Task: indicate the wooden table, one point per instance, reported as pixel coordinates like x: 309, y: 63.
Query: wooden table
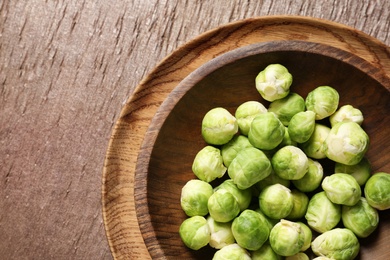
x: 66, y: 70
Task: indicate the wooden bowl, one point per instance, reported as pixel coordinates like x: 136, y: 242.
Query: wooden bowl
x: 158, y: 133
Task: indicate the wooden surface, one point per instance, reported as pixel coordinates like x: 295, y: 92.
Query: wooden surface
x: 66, y: 70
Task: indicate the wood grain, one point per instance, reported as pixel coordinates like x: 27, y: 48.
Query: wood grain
x: 66, y: 70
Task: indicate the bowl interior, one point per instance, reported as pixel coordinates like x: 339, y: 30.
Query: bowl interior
x: 174, y: 138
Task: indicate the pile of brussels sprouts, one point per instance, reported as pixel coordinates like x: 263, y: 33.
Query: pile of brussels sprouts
x: 277, y: 201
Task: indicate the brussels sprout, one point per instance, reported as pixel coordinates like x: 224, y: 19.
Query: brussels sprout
x: 221, y: 233
x: 223, y: 206
x: 229, y: 151
x: 346, y: 113
x: 287, y: 140
x: 231, y: 252
x: 218, y: 126
x: 269, y: 153
x: 270, y: 221
x: 276, y: 201
x: 242, y: 196
x: 342, y: 188
x: 194, y: 197
x: 377, y: 190
x: 361, y: 219
x: 265, y: 253
x: 346, y: 143
x: 339, y: 243
x: 322, y: 214
x: 361, y: 171
x: 287, y: 107
x: 314, y: 147
x: 271, y: 179
x: 312, y: 179
x: 308, y: 236
x: 274, y: 82
x: 322, y: 258
x: 286, y: 238
x: 195, y: 232
x: 299, y: 256
x: 290, y: 163
x: 208, y: 164
x: 250, y: 229
x: 323, y: 100
x: 245, y: 114
x: 300, y: 203
x: 301, y: 126
x: 250, y: 166
x: 266, y: 131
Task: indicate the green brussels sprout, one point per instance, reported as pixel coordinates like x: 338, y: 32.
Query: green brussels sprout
x: 361, y: 219
x: 314, y: 147
x: 270, y: 221
x: 377, y: 190
x: 285, y: 142
x: 208, y: 164
x: 342, y: 188
x: 231, y: 252
x: 271, y: 179
x: 250, y: 166
x: 273, y: 82
x: 338, y: 243
x: 290, y: 163
x: 308, y: 236
x: 298, y: 256
x: 265, y: 252
x: 250, y: 229
x: 195, y: 232
x: 322, y: 214
x: 266, y: 131
x: 287, y: 107
x: 346, y: 113
x: 276, y: 201
x: 194, y: 197
x: 301, y: 126
x: 346, y: 143
x: 300, y: 203
x: 323, y: 100
x: 322, y: 258
x: 287, y: 139
x: 361, y: 171
x: 221, y: 233
x: 223, y: 206
x: 242, y: 196
x: 229, y: 151
x: 286, y: 238
x: 245, y: 114
x: 269, y: 153
x: 219, y: 126
x: 312, y: 179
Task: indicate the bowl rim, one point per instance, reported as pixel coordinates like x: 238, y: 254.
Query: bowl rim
x: 146, y: 149
x: 117, y: 194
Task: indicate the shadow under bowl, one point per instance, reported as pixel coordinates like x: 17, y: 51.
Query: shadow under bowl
x: 174, y: 136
